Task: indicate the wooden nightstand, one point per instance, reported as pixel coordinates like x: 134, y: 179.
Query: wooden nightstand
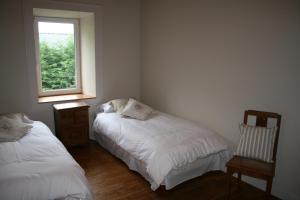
x: 72, y: 123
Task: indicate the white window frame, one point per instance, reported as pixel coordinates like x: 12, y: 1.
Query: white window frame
x: 78, y: 88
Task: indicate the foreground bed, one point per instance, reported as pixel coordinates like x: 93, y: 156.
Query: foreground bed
x: 38, y: 167
x: 164, y: 149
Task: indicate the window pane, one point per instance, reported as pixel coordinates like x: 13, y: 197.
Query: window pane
x: 57, y: 55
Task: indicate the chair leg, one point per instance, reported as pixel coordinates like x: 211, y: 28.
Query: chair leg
x: 269, y: 187
x: 229, y: 174
x: 239, y: 180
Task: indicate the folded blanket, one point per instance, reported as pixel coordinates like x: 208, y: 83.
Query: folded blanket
x: 14, y: 126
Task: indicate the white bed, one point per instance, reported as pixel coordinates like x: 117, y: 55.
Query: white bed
x: 38, y: 167
x: 164, y: 149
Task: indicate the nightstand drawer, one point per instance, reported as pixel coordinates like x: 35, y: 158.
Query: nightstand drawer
x: 72, y: 123
x: 66, y: 117
x: 78, y: 134
x: 75, y: 135
x: 81, y: 116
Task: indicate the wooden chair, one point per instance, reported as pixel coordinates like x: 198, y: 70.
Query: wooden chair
x: 251, y: 167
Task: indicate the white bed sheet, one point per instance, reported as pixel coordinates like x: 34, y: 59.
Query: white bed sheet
x: 164, y: 149
x: 38, y: 167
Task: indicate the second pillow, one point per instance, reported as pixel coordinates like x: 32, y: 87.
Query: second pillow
x: 136, y: 110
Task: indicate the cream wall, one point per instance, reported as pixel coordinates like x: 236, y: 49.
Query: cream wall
x: 210, y: 60
x: 117, y: 55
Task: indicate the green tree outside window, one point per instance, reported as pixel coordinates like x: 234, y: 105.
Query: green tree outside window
x: 58, y: 65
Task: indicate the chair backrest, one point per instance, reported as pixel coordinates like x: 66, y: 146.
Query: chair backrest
x: 262, y: 120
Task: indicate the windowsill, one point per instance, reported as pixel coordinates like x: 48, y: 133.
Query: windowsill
x: 68, y: 97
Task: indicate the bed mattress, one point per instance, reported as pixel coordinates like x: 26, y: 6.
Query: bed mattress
x: 164, y: 149
x: 39, y: 167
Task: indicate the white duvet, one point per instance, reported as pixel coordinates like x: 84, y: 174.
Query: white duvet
x: 162, y: 142
x: 38, y: 167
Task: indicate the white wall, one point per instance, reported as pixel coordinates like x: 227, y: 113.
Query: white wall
x: 210, y: 60
x: 121, y: 42
x: 117, y: 56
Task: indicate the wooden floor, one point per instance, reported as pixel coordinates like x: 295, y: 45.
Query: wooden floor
x: 111, y: 179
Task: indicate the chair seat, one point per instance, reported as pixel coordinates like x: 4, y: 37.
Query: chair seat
x: 251, y: 167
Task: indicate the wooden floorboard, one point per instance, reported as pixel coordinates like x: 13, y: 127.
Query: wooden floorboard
x: 111, y: 179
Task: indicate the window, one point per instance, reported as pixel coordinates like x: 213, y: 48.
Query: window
x: 48, y: 33
x: 57, y: 56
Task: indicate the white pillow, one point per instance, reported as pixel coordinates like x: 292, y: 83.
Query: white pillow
x: 119, y: 104
x: 256, y: 142
x: 21, y: 117
x: 107, y: 107
x: 12, y: 129
x: 136, y: 110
